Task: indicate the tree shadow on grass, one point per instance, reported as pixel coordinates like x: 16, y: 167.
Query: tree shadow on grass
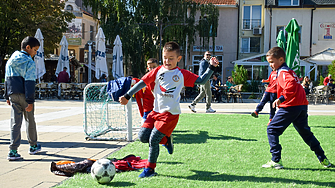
x: 119, y: 184
x: 171, y: 163
x: 326, y: 127
x: 202, y: 137
x: 216, y: 176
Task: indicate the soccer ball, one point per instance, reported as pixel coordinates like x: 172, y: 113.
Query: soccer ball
x: 103, y: 171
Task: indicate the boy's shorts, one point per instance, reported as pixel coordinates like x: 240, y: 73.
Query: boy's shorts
x: 164, y: 122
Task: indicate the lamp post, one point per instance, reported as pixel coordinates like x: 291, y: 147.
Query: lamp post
x: 89, y: 61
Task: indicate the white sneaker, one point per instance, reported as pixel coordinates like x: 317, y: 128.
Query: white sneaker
x: 210, y: 110
x: 191, y: 107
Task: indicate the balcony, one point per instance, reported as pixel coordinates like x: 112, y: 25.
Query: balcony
x: 251, y: 23
x: 251, y: 50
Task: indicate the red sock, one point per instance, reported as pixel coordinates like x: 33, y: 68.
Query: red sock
x: 150, y: 165
x: 164, y: 140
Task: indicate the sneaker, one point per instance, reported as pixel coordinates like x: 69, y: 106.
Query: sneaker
x: 272, y: 164
x: 326, y: 163
x: 147, y: 172
x: 169, y: 144
x: 13, y: 155
x: 35, y: 149
x: 254, y: 114
x: 210, y: 110
x: 192, y: 108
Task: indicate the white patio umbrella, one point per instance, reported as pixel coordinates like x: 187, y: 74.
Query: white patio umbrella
x: 100, y: 55
x: 117, y: 59
x: 39, y: 57
x: 63, y: 60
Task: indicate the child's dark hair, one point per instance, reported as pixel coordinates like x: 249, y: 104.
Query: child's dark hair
x: 172, y: 46
x: 31, y: 41
x: 152, y: 60
x: 276, y: 52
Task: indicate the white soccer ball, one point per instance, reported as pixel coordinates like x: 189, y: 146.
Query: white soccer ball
x: 103, y: 171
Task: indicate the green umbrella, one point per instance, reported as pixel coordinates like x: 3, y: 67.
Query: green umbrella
x: 292, y: 50
x: 281, y: 40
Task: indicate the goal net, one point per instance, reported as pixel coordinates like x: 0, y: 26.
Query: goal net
x: 105, y: 119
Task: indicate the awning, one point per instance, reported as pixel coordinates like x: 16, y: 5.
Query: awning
x: 253, y: 60
x: 324, y: 57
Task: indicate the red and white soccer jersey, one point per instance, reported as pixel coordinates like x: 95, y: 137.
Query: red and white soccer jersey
x: 272, y: 87
x: 289, y: 87
x: 167, y: 88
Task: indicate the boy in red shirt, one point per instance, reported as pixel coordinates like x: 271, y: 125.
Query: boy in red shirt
x: 169, y: 80
x: 292, y: 104
x: 270, y: 94
x: 144, y: 97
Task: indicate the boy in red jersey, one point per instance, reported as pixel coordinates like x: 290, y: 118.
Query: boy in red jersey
x: 292, y: 104
x: 270, y: 94
x: 144, y: 97
x: 169, y: 79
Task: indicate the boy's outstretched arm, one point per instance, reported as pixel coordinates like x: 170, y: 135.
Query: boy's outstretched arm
x: 201, y: 80
x: 125, y: 98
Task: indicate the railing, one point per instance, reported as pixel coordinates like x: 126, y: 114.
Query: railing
x: 251, y: 50
x: 251, y: 23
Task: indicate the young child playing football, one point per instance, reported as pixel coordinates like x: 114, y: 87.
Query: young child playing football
x: 292, y: 104
x: 169, y: 80
x: 270, y: 94
x: 145, y: 97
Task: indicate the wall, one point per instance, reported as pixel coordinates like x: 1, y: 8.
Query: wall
x: 226, y: 37
x: 322, y: 16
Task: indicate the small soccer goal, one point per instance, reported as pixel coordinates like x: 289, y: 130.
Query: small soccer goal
x: 105, y: 119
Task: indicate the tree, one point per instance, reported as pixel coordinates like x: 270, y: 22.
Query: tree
x: 139, y: 23
x: 240, y: 75
x: 331, y: 68
x: 21, y: 18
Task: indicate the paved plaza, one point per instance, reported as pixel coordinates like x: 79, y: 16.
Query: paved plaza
x: 60, y: 132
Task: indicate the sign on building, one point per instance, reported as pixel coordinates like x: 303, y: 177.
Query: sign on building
x: 74, y: 33
x: 326, y: 31
x: 218, y: 48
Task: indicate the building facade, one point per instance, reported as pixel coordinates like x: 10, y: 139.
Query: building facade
x: 225, y: 48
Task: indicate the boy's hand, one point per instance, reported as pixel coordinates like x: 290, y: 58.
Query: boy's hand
x: 29, y: 108
x: 8, y: 102
x: 276, y: 103
x: 213, y: 61
x: 123, y: 100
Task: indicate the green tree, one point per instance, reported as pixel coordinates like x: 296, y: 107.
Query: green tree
x: 240, y: 74
x: 331, y: 68
x: 21, y: 18
x: 139, y: 23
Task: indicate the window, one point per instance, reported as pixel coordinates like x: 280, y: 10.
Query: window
x: 71, y: 52
x: 69, y: 8
x: 259, y: 72
x: 283, y: 28
x: 91, y: 32
x: 252, y: 16
x: 288, y: 2
x: 251, y: 45
x: 83, y: 30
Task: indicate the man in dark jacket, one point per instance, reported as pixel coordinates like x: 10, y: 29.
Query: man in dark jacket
x: 204, y: 89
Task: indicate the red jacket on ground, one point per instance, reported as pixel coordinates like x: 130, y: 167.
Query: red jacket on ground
x: 289, y: 89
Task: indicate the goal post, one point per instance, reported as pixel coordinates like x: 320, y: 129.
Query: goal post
x: 105, y: 119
